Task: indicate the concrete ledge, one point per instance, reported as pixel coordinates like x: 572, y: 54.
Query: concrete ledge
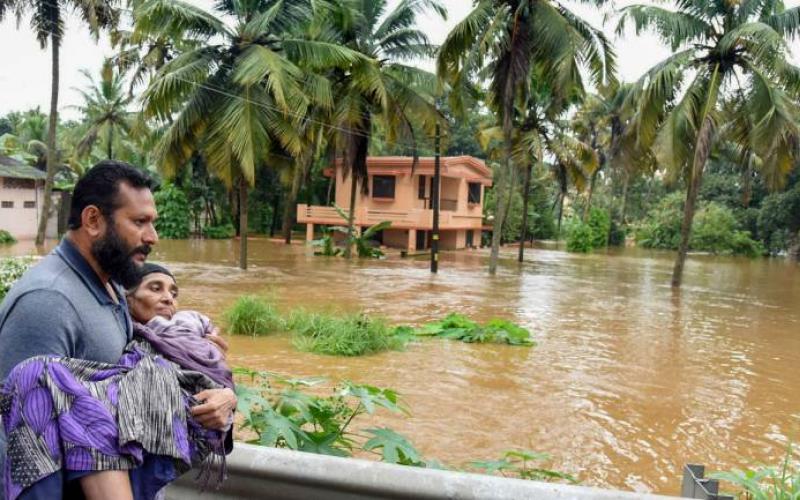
x: 256, y: 472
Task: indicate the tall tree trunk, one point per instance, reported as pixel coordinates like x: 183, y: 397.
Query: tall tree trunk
x: 588, y: 206
x: 526, y: 191
x: 702, y: 150
x: 625, y: 186
x: 110, y: 141
x: 55, y: 41
x: 560, y: 202
x: 509, y: 197
x: 348, y: 249
x: 234, y: 197
x: 243, y: 222
x: 497, y: 226
x: 331, y: 182
x: 289, y: 207
x: 276, y: 205
x: 747, y: 189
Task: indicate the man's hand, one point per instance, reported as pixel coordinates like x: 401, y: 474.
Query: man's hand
x: 215, y: 409
x: 218, y: 341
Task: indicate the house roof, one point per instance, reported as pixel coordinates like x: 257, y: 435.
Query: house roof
x: 11, y: 167
x: 402, y: 163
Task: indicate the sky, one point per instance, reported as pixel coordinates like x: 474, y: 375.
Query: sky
x: 25, y: 67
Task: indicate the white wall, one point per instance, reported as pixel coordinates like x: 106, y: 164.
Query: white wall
x: 22, y: 222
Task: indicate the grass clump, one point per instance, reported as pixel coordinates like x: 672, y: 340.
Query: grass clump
x: 458, y: 327
x: 6, y: 238
x: 251, y: 315
x: 342, y: 335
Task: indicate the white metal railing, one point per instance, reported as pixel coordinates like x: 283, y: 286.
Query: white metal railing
x: 256, y: 472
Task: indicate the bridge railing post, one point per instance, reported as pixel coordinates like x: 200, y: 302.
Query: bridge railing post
x: 694, y: 485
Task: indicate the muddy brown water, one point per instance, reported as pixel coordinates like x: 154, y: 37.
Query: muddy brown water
x: 628, y: 382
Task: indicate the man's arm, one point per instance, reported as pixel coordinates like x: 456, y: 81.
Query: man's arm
x: 40, y: 322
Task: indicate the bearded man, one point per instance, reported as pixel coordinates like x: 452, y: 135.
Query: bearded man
x: 72, y: 304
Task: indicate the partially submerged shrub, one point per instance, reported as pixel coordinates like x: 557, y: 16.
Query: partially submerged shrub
x: 776, y: 483
x: 458, y: 327
x: 252, y: 315
x: 579, y: 237
x: 221, y: 232
x: 12, y: 269
x: 342, y: 335
x: 589, y: 235
x: 173, y: 213
x: 6, y: 237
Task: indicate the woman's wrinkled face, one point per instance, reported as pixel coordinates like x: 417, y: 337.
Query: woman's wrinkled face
x: 156, y: 295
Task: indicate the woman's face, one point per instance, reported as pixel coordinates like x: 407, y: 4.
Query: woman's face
x: 156, y: 295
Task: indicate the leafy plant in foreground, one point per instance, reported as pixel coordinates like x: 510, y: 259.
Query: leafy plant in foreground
x: 521, y: 464
x: 282, y: 414
x: 762, y: 483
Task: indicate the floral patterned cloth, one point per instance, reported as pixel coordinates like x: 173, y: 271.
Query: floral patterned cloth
x: 89, y: 416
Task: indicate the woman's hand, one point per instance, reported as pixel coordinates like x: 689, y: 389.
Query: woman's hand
x: 216, y: 408
x: 218, y: 341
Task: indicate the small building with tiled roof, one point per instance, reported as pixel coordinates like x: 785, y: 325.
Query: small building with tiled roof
x: 21, y: 194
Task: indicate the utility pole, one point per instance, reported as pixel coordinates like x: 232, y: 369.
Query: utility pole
x: 435, y: 196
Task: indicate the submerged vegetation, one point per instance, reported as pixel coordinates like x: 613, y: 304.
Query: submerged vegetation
x: 357, y: 334
x: 342, y: 334
x: 6, y: 237
x: 290, y: 413
x: 458, y: 327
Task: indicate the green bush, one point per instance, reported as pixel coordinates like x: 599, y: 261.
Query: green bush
x: 779, y: 219
x: 600, y: 224
x: 11, y: 269
x: 5, y: 237
x: 173, y: 213
x: 251, y: 315
x: 221, y: 232
x: 780, y: 482
x: 342, y: 335
x: 580, y: 237
x: 617, y: 235
x: 715, y: 229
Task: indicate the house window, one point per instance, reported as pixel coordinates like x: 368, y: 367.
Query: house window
x: 421, y: 189
x: 383, y: 186
x: 474, y: 192
x: 7, y: 204
x: 29, y: 204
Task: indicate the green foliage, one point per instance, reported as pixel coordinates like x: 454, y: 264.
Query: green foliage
x: 173, y: 213
x: 767, y: 483
x: 458, y: 327
x: 251, y: 315
x: 326, y: 243
x: 522, y: 465
x: 282, y: 414
x: 221, y: 232
x: 589, y: 235
x: 779, y: 219
x: 11, y: 269
x: 342, y: 335
x: 6, y: 237
x: 363, y: 242
x: 715, y: 229
x: 580, y: 237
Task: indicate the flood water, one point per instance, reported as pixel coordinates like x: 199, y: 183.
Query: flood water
x: 628, y: 382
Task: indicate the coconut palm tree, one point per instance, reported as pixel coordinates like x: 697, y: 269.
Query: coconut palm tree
x: 105, y: 112
x: 722, y: 51
x: 47, y: 21
x: 381, y: 88
x: 235, y: 95
x: 503, y: 40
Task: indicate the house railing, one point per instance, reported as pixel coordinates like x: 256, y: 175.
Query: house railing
x: 366, y: 216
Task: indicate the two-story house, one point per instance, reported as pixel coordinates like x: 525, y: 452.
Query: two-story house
x: 21, y: 194
x: 403, y: 197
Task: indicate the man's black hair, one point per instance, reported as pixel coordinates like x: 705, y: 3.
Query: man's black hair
x: 100, y: 187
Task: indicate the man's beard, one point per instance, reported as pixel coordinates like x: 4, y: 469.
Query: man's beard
x: 116, y: 258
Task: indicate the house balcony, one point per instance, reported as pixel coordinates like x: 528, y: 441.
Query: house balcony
x: 416, y: 218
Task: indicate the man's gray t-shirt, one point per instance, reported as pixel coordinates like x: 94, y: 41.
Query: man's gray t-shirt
x: 60, y: 307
